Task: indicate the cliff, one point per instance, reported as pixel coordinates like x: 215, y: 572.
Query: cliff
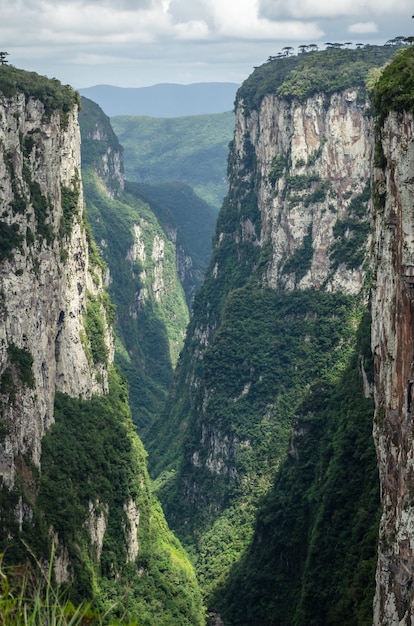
x: 392, y: 337
x: 48, y: 279
x: 259, y: 389
x: 73, y: 469
x: 140, y: 243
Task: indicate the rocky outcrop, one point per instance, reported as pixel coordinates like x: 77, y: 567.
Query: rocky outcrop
x: 102, y: 149
x: 312, y: 167
x: 392, y: 342
x: 46, y: 277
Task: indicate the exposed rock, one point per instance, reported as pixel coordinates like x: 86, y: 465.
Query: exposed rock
x: 392, y: 342
x: 46, y: 278
x: 323, y: 149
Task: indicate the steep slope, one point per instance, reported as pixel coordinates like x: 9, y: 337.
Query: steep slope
x: 273, y: 340
x: 139, y: 242
x: 392, y: 337
x: 73, y: 470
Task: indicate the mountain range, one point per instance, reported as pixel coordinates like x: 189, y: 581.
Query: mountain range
x: 163, y: 99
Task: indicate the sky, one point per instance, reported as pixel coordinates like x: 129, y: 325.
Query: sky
x: 136, y: 43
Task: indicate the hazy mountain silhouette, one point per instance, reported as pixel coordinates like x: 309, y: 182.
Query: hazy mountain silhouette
x: 164, y: 99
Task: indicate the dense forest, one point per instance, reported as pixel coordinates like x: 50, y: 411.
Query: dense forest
x: 245, y: 368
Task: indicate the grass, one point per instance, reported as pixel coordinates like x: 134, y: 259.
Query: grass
x: 30, y: 598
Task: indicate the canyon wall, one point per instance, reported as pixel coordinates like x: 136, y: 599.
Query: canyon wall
x: 392, y: 340
x: 75, y: 486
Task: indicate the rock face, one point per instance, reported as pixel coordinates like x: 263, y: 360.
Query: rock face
x: 46, y: 277
x: 309, y: 173
x: 392, y: 342
x: 312, y: 163
x: 73, y: 469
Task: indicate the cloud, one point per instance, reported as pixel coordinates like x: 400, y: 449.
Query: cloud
x: 361, y: 28
x: 318, y: 9
x: 193, y: 30
x: 148, y: 41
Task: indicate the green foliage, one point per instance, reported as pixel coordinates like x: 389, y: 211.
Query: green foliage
x: 28, y: 602
x: 42, y: 212
x: 7, y: 386
x: 300, y: 261
x: 177, y: 206
x: 300, y: 182
x: 349, y: 246
x: 94, y: 324
x: 267, y: 350
x: 69, y: 199
x: 22, y: 360
x: 149, y: 339
x: 394, y: 90
x: 190, y: 149
x: 277, y: 168
x: 51, y: 92
x: 313, y: 556
x: 10, y: 239
x: 302, y: 76
x: 92, y: 457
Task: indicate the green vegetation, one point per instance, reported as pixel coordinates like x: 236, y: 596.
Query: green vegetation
x: 277, y: 168
x: 268, y: 350
x: 136, y: 232
x: 192, y: 217
x: 190, y: 149
x: 300, y: 261
x: 264, y: 459
x: 96, y: 439
x: 51, y: 92
x: 149, y: 331
x: 10, y: 239
x: 394, y: 90
x: 349, y: 245
x: 304, y: 75
x: 92, y: 498
x: 313, y: 556
x: 95, y: 331
x: 22, y: 361
x: 18, y: 372
x: 70, y: 199
x: 27, y: 602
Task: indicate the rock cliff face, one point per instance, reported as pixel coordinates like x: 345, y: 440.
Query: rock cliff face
x: 392, y: 342
x: 310, y: 176
x: 72, y: 467
x: 312, y: 164
x: 46, y: 277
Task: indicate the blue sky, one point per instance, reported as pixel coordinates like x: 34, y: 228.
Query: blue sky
x: 134, y: 43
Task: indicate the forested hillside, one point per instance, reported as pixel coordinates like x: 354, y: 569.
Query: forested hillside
x: 264, y: 458
x: 190, y: 149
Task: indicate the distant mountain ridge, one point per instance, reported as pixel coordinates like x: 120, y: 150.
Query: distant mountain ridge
x: 164, y: 99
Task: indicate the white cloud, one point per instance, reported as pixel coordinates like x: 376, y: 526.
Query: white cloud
x: 161, y: 40
x: 240, y: 19
x: 193, y: 30
x: 362, y: 28
x: 318, y: 9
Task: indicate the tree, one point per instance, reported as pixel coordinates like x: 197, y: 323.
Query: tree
x: 3, y: 60
x: 287, y: 50
x: 303, y: 48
